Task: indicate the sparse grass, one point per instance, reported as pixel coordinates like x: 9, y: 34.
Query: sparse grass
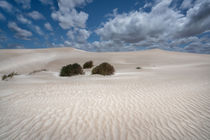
x: 104, y: 69
x: 71, y: 69
x: 138, y: 67
x: 5, y: 77
x: 88, y: 64
x: 36, y: 71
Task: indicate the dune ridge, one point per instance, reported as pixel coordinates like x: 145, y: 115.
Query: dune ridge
x: 167, y: 99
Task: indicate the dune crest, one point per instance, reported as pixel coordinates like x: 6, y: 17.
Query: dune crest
x: 167, y: 99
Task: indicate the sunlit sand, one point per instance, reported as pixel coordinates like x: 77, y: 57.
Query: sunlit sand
x: 168, y: 98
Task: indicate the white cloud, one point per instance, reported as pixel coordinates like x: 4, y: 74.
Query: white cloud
x: 48, y: 26
x: 67, y: 43
x: 5, y: 5
x: 65, y: 5
x: 26, y: 4
x: 71, y: 18
x: 38, y: 30
x: 23, y: 20
x: 162, y: 27
x: 35, y: 15
x: 2, y: 17
x: 70, y: 34
x: 19, y: 32
x: 137, y: 26
x: 148, y: 5
x: 83, y: 35
x: 68, y: 16
x: 78, y: 35
x: 186, y: 4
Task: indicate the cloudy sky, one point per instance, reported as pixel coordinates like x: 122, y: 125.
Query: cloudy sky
x: 106, y: 25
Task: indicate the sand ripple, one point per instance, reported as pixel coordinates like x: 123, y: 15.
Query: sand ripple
x: 127, y: 111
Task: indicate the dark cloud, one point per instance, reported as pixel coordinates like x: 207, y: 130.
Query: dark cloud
x: 197, y: 20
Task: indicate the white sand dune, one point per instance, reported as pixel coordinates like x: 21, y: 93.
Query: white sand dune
x: 168, y: 99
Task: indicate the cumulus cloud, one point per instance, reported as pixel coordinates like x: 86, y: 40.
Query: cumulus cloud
x: 6, y: 6
x: 19, y: 32
x: 196, y: 21
x: 110, y: 45
x: 2, y: 17
x: 163, y: 27
x: 68, y: 16
x: 26, y: 4
x: 48, y: 26
x: 73, y: 20
x: 23, y: 20
x: 187, y: 4
x: 35, y: 15
x: 78, y: 35
x: 137, y: 26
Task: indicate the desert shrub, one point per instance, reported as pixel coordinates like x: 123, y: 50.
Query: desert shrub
x: 71, y: 69
x: 36, y: 71
x: 104, y: 69
x: 5, y: 77
x: 138, y: 67
x: 88, y: 64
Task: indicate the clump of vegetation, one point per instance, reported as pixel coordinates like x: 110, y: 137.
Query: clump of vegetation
x: 88, y: 64
x: 5, y: 77
x: 104, y: 69
x: 138, y: 67
x: 36, y: 71
x: 71, y: 69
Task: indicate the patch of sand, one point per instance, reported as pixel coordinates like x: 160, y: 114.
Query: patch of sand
x: 169, y: 98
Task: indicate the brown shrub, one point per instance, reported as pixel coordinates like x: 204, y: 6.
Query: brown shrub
x: 5, y: 77
x: 88, y: 64
x: 71, y: 69
x: 104, y: 69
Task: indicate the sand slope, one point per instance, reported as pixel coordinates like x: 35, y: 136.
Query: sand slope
x: 168, y: 99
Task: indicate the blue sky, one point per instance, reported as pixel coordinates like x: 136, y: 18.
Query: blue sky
x: 106, y: 25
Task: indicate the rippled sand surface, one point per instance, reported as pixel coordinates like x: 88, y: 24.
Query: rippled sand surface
x: 168, y: 99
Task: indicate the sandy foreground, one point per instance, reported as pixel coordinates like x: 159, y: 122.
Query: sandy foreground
x: 168, y: 99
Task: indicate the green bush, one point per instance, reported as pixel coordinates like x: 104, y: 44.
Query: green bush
x: 104, y: 69
x: 5, y: 77
x: 71, y: 69
x: 88, y: 64
x: 138, y: 67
